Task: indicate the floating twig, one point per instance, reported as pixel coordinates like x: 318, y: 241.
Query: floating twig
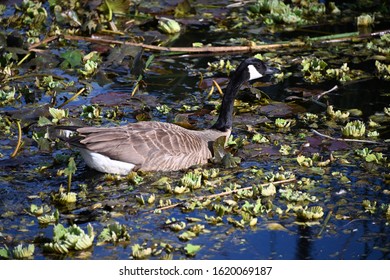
x: 345, y: 37
x: 44, y: 41
x: 326, y: 221
x: 19, y: 143
x: 204, y: 197
x: 347, y: 139
x: 72, y: 98
x: 218, y: 87
x: 24, y: 58
x: 326, y: 92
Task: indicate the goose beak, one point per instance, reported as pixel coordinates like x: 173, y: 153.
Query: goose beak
x: 271, y: 71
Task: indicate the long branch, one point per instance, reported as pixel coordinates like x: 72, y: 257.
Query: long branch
x: 214, y: 49
x: 204, y: 197
x: 346, y: 139
x: 206, y: 49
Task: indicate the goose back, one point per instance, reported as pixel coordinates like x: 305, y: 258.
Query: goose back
x: 150, y: 146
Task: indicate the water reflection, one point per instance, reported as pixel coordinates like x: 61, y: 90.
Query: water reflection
x: 304, y: 245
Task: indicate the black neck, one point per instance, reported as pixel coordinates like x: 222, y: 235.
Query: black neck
x: 225, y: 118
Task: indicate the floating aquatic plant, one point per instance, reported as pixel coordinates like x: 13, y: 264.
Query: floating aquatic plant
x: 32, y: 14
x: 284, y: 123
x: 91, y: 63
x: 56, y: 114
x: 369, y: 206
x: 49, y: 218
x: 337, y: 115
x: 192, y: 179
x: 187, y: 235
x: 91, y: 112
x: 210, y: 173
x: 151, y: 198
x: 181, y: 189
x: 5, y: 125
x: 269, y: 190
x: 370, y: 156
x: 230, y: 161
x: 7, y: 96
x: 214, y: 220
x: 385, y: 208
x: 259, y: 138
x: 296, y: 196
x: 310, y: 213
x: 276, y: 11
x: 51, y: 84
x: 386, y: 110
x: 365, y: 20
x: 253, y: 222
x: 354, y: 129
x: 38, y: 210
x: 309, y: 117
x: 285, y: 149
x: 373, y: 134
x: 168, y: 26
x: 199, y: 228
x: 221, y: 65
x: 69, y: 197
x: 141, y: 200
x: 164, y: 202
x: 278, y: 176
x: 191, y: 249
x: 253, y: 209
x: 139, y: 253
x: 342, y: 74
x: 383, y: 70
x: 114, y: 232
x: 5, y: 253
x: 72, y: 59
x: 313, y: 69
x: 163, y: 109
x: 235, y: 223
x: 134, y: 178
x: 64, y: 197
x: 66, y: 16
x: 372, y: 123
x: 221, y: 210
x: 363, y: 152
x: 71, y: 238
x: 20, y: 252
x: 324, y: 163
x: 304, y: 161
x: 175, y: 225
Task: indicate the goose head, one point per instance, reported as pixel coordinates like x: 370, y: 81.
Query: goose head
x: 250, y: 69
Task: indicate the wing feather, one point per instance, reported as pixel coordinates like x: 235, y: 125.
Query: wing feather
x: 151, y: 146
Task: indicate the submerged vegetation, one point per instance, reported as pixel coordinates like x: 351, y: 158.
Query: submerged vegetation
x: 308, y: 154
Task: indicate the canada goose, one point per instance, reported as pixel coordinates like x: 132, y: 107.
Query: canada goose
x: 158, y: 146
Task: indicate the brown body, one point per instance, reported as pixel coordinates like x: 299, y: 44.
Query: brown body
x: 152, y: 146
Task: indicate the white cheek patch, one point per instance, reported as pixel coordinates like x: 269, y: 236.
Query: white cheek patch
x: 253, y: 73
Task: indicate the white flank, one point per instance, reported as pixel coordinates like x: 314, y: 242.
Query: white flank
x: 253, y: 73
x: 104, y: 164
